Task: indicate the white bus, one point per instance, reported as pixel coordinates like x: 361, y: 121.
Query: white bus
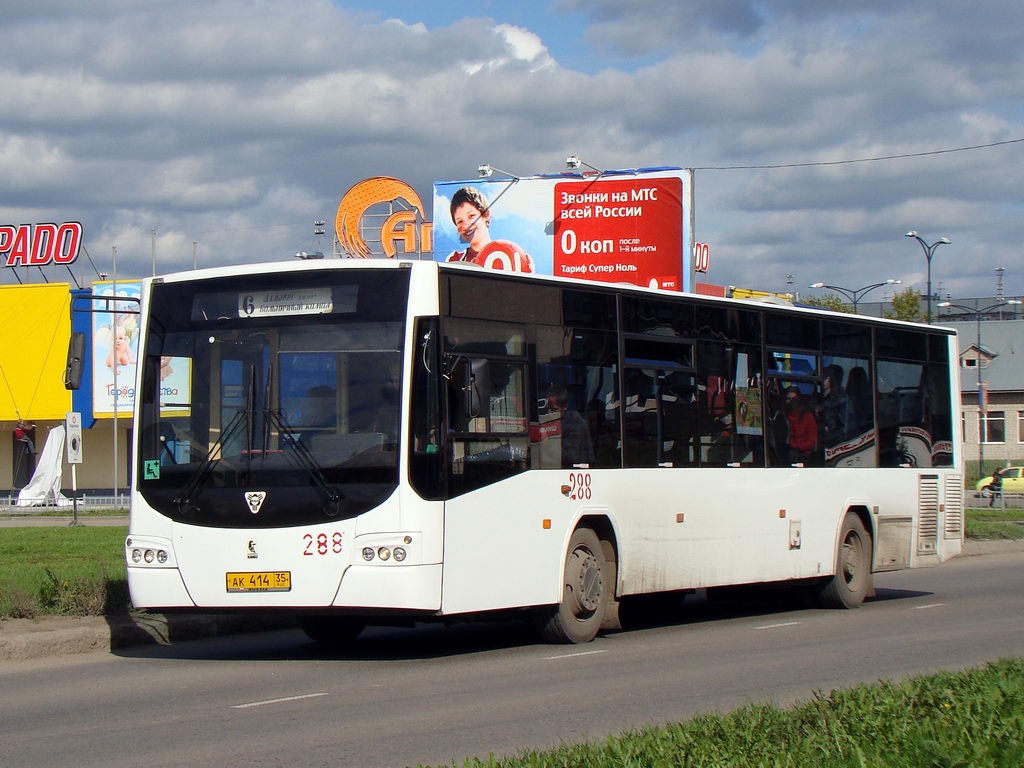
x: 362, y: 442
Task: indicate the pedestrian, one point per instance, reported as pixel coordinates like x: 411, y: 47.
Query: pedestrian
x: 23, y: 434
x: 995, y: 487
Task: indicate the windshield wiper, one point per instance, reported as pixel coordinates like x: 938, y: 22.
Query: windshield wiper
x: 300, y: 456
x: 203, y: 472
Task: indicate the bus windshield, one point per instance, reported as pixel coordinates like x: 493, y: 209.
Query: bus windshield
x: 272, y: 400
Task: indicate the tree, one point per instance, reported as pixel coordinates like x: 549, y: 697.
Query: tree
x: 831, y: 301
x: 906, y: 305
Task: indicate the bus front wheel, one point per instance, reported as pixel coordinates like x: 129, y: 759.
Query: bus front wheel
x: 852, y: 580
x: 585, y: 590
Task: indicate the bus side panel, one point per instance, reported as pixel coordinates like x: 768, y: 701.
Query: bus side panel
x: 497, y: 551
x: 687, y: 529
x: 676, y: 528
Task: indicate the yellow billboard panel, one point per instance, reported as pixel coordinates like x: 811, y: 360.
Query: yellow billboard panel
x: 36, y: 322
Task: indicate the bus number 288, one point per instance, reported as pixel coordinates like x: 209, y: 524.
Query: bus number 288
x: 579, y: 486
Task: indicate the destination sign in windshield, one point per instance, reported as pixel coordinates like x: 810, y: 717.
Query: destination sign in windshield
x: 301, y: 301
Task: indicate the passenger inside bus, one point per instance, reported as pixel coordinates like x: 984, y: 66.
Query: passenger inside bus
x: 385, y: 420
x: 803, y: 428
x: 577, y: 448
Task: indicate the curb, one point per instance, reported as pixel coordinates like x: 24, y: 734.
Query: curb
x: 23, y: 639
x: 976, y: 547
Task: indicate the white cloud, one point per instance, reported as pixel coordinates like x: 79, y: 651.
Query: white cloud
x: 516, y: 45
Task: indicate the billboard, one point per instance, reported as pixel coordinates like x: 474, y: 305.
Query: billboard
x: 115, y: 349
x: 630, y: 227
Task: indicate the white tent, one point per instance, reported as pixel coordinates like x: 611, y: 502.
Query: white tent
x: 44, y: 487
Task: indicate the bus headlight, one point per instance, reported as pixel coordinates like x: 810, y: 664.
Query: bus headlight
x: 145, y: 551
x: 390, y: 550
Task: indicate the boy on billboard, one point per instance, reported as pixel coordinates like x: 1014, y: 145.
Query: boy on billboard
x: 471, y: 216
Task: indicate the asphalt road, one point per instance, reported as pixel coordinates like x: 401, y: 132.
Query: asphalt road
x: 434, y: 695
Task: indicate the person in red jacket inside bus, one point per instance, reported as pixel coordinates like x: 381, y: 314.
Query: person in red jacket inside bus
x: 803, y: 428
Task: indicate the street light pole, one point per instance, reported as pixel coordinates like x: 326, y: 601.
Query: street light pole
x: 855, y: 294
x: 982, y: 400
x: 929, y: 250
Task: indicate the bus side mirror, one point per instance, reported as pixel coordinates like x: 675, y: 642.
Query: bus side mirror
x: 76, y: 357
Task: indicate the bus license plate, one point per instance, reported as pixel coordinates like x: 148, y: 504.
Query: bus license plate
x: 259, y: 581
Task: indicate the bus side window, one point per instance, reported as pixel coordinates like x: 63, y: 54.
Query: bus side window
x: 487, y: 421
x: 730, y: 415
x: 484, y: 371
x: 576, y: 422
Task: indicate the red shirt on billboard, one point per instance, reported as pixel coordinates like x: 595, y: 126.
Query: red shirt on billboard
x: 471, y: 215
x: 620, y: 230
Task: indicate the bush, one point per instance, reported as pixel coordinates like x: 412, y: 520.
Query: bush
x: 66, y: 571
x: 76, y: 596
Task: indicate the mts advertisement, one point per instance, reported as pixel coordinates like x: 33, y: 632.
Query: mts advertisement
x: 617, y: 227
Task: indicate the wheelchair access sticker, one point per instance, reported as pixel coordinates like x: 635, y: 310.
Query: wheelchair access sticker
x: 151, y: 470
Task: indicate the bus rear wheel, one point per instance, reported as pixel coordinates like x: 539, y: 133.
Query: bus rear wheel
x: 331, y: 630
x: 585, y: 591
x: 852, y: 580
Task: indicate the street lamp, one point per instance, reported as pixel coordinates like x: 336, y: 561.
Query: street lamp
x: 573, y: 163
x: 855, y: 294
x: 982, y: 400
x: 929, y: 250
x: 486, y: 170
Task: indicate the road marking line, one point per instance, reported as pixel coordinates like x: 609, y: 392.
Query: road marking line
x: 572, y: 655
x: 776, y: 626
x: 277, y: 701
x: 930, y: 605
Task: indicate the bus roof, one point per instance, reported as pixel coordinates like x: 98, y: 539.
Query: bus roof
x: 421, y: 264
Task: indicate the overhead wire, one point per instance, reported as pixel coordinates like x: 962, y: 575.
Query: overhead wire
x: 857, y: 160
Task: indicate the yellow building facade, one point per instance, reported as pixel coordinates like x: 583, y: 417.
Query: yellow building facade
x: 36, y: 322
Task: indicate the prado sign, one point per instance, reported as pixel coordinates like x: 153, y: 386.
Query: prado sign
x: 36, y: 245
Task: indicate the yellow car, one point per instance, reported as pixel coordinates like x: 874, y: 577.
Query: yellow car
x: 1013, y: 482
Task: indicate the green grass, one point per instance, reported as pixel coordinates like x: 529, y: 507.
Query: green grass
x: 63, y: 570
x: 969, y: 719
x: 995, y: 514
x: 994, y: 524
x: 984, y: 531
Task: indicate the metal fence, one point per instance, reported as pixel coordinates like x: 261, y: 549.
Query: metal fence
x: 999, y: 500
x: 9, y: 504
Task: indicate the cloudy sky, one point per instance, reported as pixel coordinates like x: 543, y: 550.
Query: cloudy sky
x: 236, y: 123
